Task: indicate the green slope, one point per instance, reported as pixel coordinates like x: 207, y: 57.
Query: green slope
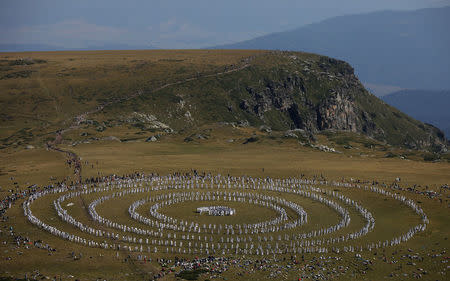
x: 179, y: 91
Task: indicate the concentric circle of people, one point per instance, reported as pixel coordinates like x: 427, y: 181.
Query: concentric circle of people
x: 170, y: 235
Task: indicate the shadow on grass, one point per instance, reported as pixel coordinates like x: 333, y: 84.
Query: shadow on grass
x: 188, y: 274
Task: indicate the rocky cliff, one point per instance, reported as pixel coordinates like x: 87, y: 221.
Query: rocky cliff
x: 285, y: 91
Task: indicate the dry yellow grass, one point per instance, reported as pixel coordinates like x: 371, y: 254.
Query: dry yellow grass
x: 237, y: 159
x: 37, y: 166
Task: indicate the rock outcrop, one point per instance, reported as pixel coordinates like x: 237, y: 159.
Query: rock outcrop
x: 326, y: 95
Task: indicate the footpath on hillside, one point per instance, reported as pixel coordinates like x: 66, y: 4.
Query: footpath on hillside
x: 74, y: 161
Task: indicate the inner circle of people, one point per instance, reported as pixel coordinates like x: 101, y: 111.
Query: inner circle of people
x: 161, y: 233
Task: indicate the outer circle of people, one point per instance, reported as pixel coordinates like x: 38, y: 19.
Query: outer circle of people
x: 281, y: 235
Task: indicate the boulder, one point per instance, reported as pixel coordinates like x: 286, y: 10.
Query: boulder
x: 111, y: 138
x: 151, y: 139
x: 251, y: 139
x: 243, y: 123
x: 290, y: 134
x: 265, y: 129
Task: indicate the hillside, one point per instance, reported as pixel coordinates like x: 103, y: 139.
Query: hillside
x: 136, y: 94
x: 427, y: 106
x: 406, y: 49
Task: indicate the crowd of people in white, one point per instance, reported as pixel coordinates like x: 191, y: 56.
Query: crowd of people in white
x: 161, y: 233
x: 216, y: 210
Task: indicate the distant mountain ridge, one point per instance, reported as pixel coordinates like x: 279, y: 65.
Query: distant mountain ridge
x: 431, y: 107
x: 407, y: 49
x: 44, y: 47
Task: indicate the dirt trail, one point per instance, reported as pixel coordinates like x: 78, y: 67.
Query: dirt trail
x: 74, y: 160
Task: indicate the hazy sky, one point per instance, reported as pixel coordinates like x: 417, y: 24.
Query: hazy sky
x: 170, y: 23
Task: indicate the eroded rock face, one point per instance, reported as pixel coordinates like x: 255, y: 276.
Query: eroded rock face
x: 435, y: 140
x: 340, y: 112
x: 276, y: 95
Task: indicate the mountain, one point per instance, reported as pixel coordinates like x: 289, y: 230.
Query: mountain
x: 134, y: 93
x: 113, y: 46
x: 381, y: 90
x: 43, y: 47
x: 427, y: 106
x: 406, y: 49
x: 28, y: 48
